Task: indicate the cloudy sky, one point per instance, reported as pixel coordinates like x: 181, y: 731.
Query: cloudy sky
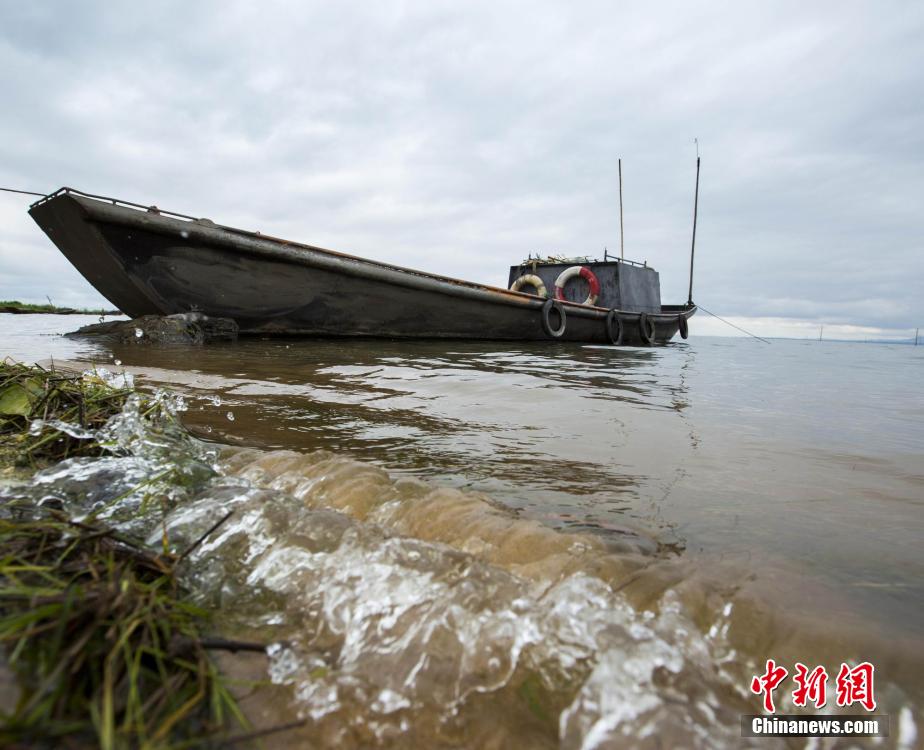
x: 458, y: 137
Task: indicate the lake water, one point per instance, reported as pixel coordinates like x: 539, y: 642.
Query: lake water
x: 553, y: 545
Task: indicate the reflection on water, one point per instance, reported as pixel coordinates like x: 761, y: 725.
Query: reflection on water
x: 517, y: 423
x: 784, y: 480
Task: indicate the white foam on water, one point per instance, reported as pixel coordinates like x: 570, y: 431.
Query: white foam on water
x: 117, y: 380
x: 386, y: 631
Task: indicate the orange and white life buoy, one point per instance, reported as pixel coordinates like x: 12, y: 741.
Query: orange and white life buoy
x: 529, y: 280
x: 585, y: 273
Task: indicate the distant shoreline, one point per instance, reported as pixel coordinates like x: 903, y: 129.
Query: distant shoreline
x: 24, y: 308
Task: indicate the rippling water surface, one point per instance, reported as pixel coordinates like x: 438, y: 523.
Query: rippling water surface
x: 484, y: 545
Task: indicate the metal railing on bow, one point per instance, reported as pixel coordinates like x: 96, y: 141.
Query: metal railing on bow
x: 113, y: 201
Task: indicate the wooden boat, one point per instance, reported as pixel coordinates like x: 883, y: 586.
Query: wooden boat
x: 147, y: 261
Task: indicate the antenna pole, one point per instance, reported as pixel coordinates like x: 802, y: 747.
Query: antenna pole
x: 693, y: 245
x: 621, y: 239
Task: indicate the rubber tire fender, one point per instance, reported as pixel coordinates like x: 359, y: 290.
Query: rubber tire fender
x: 614, y: 327
x: 547, y: 308
x: 683, y: 326
x: 646, y: 329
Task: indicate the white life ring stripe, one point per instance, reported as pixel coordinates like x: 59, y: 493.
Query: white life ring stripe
x: 584, y: 272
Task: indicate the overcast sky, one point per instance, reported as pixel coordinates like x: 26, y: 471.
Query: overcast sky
x: 458, y: 137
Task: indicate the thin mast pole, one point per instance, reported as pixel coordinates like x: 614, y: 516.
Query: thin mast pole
x: 916, y: 336
x: 621, y: 235
x: 693, y: 244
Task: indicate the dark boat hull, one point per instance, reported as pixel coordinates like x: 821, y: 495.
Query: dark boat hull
x: 145, y: 262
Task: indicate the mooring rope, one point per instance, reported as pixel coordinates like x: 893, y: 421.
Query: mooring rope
x: 753, y: 335
x: 23, y: 192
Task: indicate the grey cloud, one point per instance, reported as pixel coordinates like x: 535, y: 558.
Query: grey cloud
x: 459, y: 137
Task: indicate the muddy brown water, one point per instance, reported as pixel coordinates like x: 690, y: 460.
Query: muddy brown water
x: 471, y: 545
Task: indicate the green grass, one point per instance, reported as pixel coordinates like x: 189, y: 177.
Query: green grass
x: 15, y: 306
x: 30, y: 393
x: 105, y: 649
x: 104, y: 646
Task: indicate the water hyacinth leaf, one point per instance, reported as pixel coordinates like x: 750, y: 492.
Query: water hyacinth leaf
x: 16, y: 401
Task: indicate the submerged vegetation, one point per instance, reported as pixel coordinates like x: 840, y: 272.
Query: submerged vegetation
x: 97, y: 635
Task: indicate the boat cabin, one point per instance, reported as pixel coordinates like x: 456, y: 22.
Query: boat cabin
x: 620, y: 284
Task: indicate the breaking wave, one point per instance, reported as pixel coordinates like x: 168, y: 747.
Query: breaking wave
x: 402, y: 614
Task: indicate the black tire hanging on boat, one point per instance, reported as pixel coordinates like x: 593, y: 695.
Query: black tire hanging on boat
x: 614, y: 327
x: 547, y: 308
x: 684, y: 326
x: 646, y: 329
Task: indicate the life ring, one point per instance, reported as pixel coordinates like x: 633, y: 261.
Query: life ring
x: 586, y: 274
x: 614, y: 327
x: 530, y: 280
x: 553, y: 304
x: 684, y: 326
x: 646, y: 329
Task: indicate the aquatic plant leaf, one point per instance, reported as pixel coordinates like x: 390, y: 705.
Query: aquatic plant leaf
x: 16, y: 400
